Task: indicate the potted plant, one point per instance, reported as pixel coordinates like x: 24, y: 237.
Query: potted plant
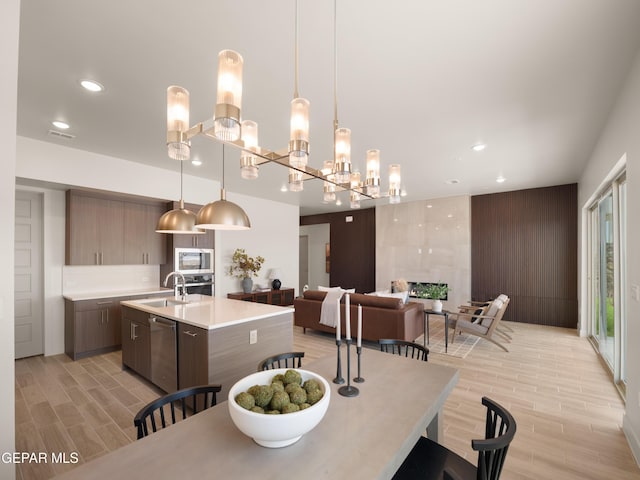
x: 434, y: 291
x: 244, y: 267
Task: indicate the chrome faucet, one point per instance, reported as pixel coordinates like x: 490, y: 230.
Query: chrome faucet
x: 184, y: 283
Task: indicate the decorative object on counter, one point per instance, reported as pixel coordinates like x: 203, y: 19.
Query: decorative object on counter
x: 348, y: 390
x: 243, y: 266
x: 434, y: 291
x: 222, y: 214
x: 359, y: 378
x: 339, y: 380
x: 179, y: 220
x: 275, y: 275
x: 275, y: 431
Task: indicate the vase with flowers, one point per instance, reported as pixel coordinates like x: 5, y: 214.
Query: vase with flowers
x: 244, y: 267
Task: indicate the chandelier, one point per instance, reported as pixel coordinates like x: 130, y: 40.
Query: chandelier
x: 227, y: 127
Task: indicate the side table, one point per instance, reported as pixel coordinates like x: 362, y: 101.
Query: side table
x: 445, y: 314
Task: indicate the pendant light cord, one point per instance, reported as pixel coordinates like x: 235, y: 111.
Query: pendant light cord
x: 295, y: 86
x: 335, y: 66
x: 223, y: 166
x: 181, y: 181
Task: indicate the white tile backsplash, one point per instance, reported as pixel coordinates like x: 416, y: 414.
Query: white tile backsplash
x: 109, y: 278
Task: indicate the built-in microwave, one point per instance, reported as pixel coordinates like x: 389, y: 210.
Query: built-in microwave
x: 193, y: 260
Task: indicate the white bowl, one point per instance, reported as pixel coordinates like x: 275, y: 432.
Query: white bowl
x: 276, y: 431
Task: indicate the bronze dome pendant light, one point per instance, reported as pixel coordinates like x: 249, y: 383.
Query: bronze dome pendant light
x: 222, y: 214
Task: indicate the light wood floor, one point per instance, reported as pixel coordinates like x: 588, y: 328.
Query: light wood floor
x: 568, y: 412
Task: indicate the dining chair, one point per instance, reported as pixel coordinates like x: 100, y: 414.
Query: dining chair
x: 429, y: 460
x: 282, y: 360
x: 403, y: 348
x: 187, y: 399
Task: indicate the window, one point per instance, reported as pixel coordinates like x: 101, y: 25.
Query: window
x: 607, y: 276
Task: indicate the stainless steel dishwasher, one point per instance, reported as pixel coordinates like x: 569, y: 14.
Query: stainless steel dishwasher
x: 164, y: 353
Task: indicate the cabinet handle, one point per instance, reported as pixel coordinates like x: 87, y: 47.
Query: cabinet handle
x: 107, y: 316
x: 191, y: 334
x: 147, y: 259
x: 133, y: 331
x: 106, y: 302
x: 101, y: 317
x: 97, y: 260
x: 101, y: 259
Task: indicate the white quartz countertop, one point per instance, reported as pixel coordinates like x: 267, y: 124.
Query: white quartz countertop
x: 75, y: 297
x: 210, y: 312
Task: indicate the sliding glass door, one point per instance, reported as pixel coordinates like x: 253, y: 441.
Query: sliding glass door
x: 607, y: 246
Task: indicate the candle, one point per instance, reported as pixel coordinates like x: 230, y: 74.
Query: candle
x: 347, y: 316
x: 338, y: 321
x: 359, y: 342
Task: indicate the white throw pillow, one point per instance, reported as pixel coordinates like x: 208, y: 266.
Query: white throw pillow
x: 326, y: 289
x: 401, y: 295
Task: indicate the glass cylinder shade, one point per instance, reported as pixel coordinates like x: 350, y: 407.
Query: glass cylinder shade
x: 178, y: 146
x: 328, y: 189
x: 354, y: 196
x: 229, y: 96
x: 295, y: 181
x: 395, y: 180
x: 342, y: 145
x: 248, y: 167
x: 372, y: 181
x: 299, y: 139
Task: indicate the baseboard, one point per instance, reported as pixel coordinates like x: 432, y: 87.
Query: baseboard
x: 632, y: 438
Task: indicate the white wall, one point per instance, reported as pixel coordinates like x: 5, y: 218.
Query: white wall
x: 9, y: 22
x: 426, y: 241
x: 274, y: 233
x: 620, y: 137
x: 319, y: 235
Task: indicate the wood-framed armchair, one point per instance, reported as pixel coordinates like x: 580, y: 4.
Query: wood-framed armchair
x: 475, y: 306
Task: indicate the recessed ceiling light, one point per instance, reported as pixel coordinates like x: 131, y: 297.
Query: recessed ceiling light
x: 450, y: 215
x: 500, y: 179
x: 196, y: 162
x: 429, y: 206
x: 478, y: 147
x: 60, y: 124
x: 91, y: 86
x: 338, y: 202
x: 452, y: 181
x: 283, y: 188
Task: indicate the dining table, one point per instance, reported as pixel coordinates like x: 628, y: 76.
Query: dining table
x: 366, y: 436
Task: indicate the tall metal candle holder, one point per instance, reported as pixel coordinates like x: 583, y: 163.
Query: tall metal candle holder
x: 339, y: 380
x: 359, y: 378
x: 348, y: 390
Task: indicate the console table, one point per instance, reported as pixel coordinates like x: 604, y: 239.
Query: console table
x: 282, y: 297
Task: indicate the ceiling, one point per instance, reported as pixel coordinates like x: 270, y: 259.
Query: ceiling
x: 421, y: 80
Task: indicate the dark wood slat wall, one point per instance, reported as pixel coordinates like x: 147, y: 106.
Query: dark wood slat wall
x: 353, y: 247
x: 525, y: 244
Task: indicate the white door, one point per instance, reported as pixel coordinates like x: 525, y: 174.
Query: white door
x: 29, y: 321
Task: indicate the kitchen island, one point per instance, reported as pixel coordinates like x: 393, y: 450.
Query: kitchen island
x: 215, y: 340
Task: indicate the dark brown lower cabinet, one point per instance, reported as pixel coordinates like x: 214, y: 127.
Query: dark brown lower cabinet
x: 193, y: 352
x: 91, y: 327
x: 136, y: 341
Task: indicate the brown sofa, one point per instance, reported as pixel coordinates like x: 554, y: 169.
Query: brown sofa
x: 382, y: 317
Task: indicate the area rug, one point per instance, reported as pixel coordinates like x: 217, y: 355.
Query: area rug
x: 461, y: 346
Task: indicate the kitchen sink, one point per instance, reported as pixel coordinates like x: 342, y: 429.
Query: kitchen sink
x: 162, y: 302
